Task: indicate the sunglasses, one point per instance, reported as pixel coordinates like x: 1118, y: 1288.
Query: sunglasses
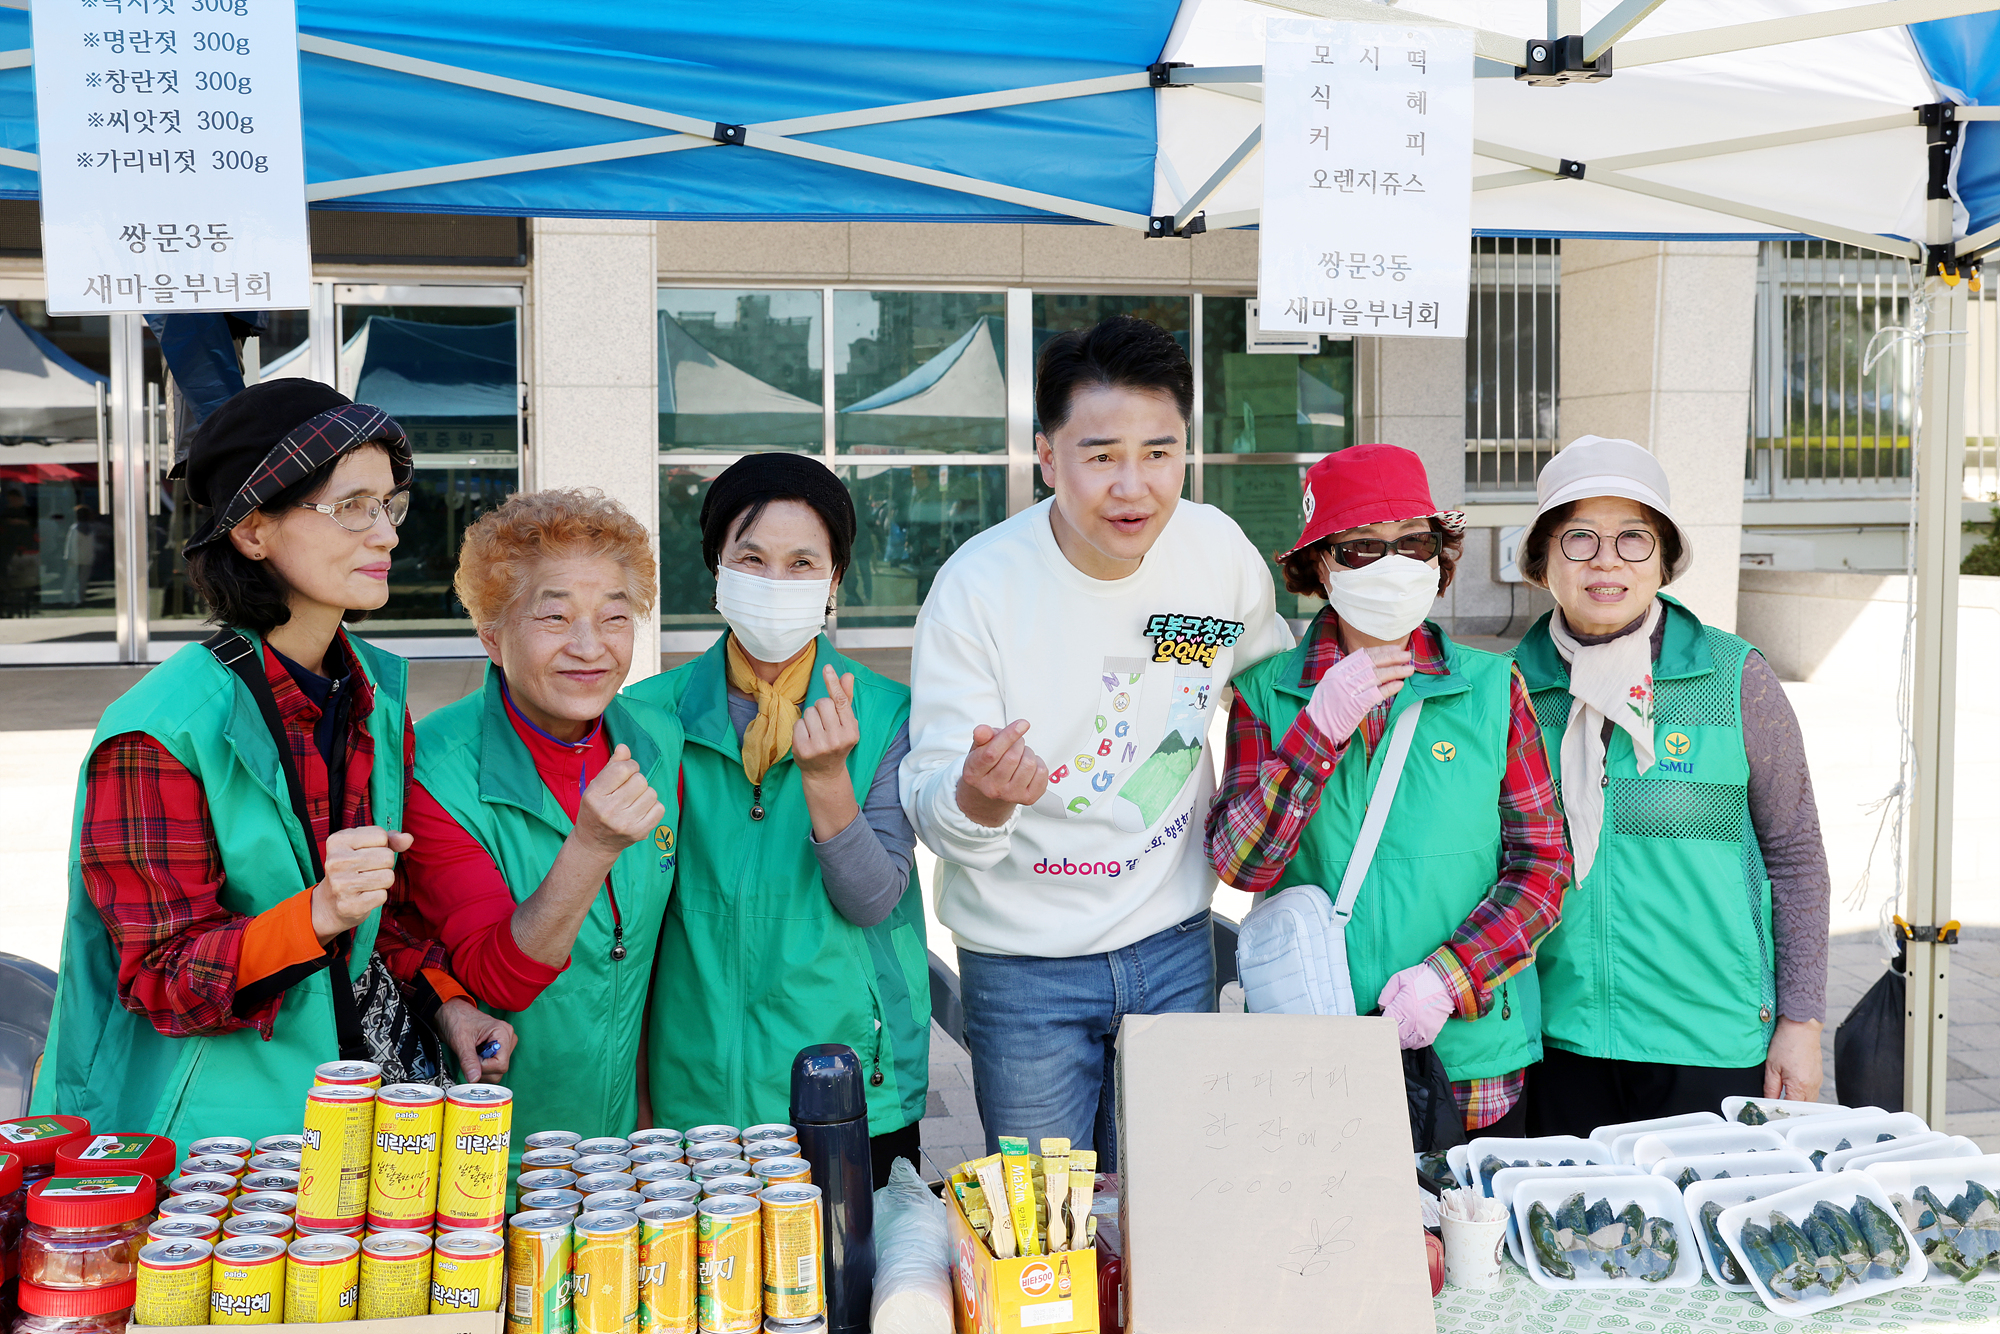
x: 1361, y: 551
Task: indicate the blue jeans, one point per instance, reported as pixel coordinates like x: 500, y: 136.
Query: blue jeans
x: 1044, y: 1032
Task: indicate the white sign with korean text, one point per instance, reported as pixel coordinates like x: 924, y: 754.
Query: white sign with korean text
x: 1367, y: 217
x: 173, y: 171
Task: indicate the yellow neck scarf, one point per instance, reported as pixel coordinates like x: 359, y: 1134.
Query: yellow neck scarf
x: 768, y: 738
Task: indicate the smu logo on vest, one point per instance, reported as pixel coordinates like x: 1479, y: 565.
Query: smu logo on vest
x: 1675, y: 744
x: 663, y: 839
x: 1068, y: 867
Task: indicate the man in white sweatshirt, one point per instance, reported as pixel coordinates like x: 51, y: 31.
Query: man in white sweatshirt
x: 1106, y: 619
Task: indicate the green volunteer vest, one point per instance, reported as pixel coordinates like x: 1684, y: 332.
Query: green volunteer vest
x: 1664, y: 952
x: 1440, y: 849
x: 575, y: 1067
x: 113, y: 1066
x: 755, y: 963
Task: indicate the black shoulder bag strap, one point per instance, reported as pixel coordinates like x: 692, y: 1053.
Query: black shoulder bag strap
x: 240, y: 656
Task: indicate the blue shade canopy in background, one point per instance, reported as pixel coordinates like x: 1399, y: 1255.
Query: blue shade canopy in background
x: 1963, y: 56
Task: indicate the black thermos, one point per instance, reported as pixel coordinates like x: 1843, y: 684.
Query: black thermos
x: 830, y: 1112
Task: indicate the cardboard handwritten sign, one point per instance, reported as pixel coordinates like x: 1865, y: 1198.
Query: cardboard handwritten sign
x: 1266, y: 1176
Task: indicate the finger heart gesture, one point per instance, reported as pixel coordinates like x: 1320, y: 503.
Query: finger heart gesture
x: 827, y: 731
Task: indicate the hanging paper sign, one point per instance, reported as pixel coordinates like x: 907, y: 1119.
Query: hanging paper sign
x: 172, y: 168
x: 1367, y: 217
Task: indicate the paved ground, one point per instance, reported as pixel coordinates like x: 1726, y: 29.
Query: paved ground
x: 47, y: 716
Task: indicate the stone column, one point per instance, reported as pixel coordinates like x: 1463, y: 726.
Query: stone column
x: 1656, y: 347
x: 593, y: 373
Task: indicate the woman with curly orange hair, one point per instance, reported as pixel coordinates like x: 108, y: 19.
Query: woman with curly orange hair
x: 545, y: 806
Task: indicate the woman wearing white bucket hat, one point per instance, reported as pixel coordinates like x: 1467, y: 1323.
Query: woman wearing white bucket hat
x: 1690, y: 963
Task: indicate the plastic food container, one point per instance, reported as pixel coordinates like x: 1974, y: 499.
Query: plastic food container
x: 1507, y: 1178
x: 1917, y: 1149
x: 1830, y: 1134
x: 1840, y: 1190
x: 1769, y: 1111
x: 1840, y: 1160
x: 1534, y: 1151
x: 35, y: 1140
x: 1608, y: 1136
x: 1659, y: 1212
x: 89, y: 1155
x: 1728, y: 1166
x: 1944, y: 1181
x: 1651, y: 1148
x: 13, y: 1201
x: 85, y: 1232
x: 1723, y: 1194
x: 76, y: 1310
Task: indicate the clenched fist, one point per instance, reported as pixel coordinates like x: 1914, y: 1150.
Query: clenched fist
x: 1000, y: 773
x: 360, y: 868
x: 618, y: 808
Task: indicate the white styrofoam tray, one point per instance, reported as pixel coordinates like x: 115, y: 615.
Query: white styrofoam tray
x: 1946, y: 1177
x: 1658, y: 1198
x: 1709, y: 1166
x: 1507, y: 1178
x: 1732, y: 1107
x: 1866, y: 1153
x: 1728, y: 1191
x: 1534, y: 1151
x: 1609, y: 1135
x: 1917, y: 1149
x: 1649, y: 1149
x: 1842, y: 1189
x: 1814, y: 1133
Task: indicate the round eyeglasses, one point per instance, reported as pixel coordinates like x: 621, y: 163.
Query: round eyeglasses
x: 1633, y: 545
x: 1360, y: 551
x: 357, y: 514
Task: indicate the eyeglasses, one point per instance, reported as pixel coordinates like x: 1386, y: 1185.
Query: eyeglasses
x: 357, y: 514
x: 1633, y: 545
x: 1361, y: 551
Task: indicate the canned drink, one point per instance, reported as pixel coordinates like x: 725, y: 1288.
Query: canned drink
x: 539, y: 1292
x: 536, y: 1159
x: 709, y: 1168
x: 259, y: 1225
x: 561, y: 1201
x: 811, y: 1325
x: 606, y: 1269
x: 233, y: 1145
x: 654, y: 1153
x: 742, y: 1184
x: 214, y: 1164
x: 793, y: 1238
x: 658, y: 1135
x: 729, y: 1297
x: 173, y: 1282
x: 552, y: 1139
x: 246, y: 1282
x: 712, y: 1135
x: 403, y: 1169
x: 278, y: 1144
x: 667, y: 1267
x: 472, y: 1184
x: 602, y: 1144
x: 701, y: 1150
x: 758, y: 1150
x: 275, y: 1161
x: 674, y: 1171
x: 186, y: 1227
x: 685, y: 1191
x: 395, y: 1274
x: 267, y: 1202
x: 545, y: 1178
x: 782, y: 1171
x: 597, y: 1181
x: 628, y: 1200
x: 769, y: 1130
x: 588, y: 1163
x: 333, y: 1160
x: 323, y: 1280
x: 467, y: 1272
x: 204, y: 1184
x: 259, y: 1180
x: 356, y: 1074
x: 354, y: 1230
x: 195, y: 1204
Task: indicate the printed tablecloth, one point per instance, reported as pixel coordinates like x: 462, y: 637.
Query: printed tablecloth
x: 1520, y: 1304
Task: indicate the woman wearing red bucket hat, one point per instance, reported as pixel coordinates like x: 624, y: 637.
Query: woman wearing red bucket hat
x: 1468, y: 872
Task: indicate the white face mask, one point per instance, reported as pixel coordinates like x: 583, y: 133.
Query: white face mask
x: 1387, y: 599
x: 773, y: 618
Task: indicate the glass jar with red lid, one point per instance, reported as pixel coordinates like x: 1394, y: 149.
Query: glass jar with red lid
x: 119, y: 1152
x: 13, y: 1200
x: 85, y: 1232
x: 35, y: 1140
x: 76, y: 1310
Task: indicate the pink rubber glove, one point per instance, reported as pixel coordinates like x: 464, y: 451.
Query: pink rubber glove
x: 1343, y: 696
x: 1419, y: 1001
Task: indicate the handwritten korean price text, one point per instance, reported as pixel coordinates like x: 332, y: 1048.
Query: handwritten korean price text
x: 1297, y: 1156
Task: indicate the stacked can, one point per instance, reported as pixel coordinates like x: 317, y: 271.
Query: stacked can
x: 355, y: 1074
x: 323, y: 1280
x: 395, y: 1275
x: 565, y: 1202
x: 173, y: 1282
x: 539, y: 1288
x: 279, y: 1143
x: 271, y: 1181
x: 195, y: 1204
x: 246, y: 1279
x: 279, y: 1227
x: 667, y: 1267
x: 214, y: 1164
x: 782, y: 1171
x: 233, y: 1145
x: 334, y: 1157
x: 559, y: 1158
x: 686, y: 1191
x: 604, y: 1268
x: 185, y: 1227
x: 707, y: 1168
x: 739, y: 1183
x: 729, y: 1261
x: 467, y: 1272
x: 793, y: 1236
x: 757, y: 1150
x: 602, y: 1144
x: 205, y: 1184
x: 659, y: 1137
x: 403, y: 1163
x: 662, y: 1171
x: 545, y: 1178
x: 770, y: 1130
x: 472, y: 1184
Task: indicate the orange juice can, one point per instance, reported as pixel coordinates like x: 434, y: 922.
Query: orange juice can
x: 323, y: 1280
x: 729, y: 1295
x: 472, y: 1182
x: 539, y: 1284
x: 782, y: 1171
x: 605, y: 1268
x: 667, y: 1267
x: 357, y: 1074
x: 246, y: 1282
x: 792, y: 1244
x: 395, y: 1275
x: 333, y: 1156
x: 403, y: 1165
x: 467, y: 1270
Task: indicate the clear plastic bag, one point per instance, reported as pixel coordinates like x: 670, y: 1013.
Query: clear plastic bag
x: 912, y: 1258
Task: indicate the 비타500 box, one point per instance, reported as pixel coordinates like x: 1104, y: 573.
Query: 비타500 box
x: 1030, y: 1294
